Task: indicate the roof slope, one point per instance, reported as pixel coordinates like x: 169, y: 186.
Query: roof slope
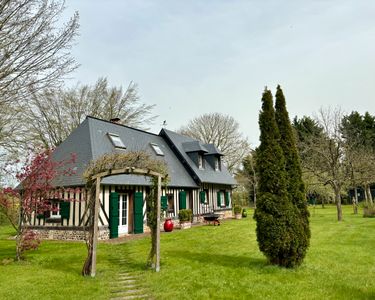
x: 208, y: 174
x: 90, y: 141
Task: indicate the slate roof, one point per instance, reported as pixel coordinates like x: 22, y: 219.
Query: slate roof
x: 90, y: 140
x: 178, y: 142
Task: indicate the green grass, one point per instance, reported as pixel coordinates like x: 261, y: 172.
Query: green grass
x: 206, y: 262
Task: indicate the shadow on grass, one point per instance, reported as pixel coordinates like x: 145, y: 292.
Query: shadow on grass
x: 219, y: 259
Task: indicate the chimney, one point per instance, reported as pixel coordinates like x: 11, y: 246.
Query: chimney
x: 115, y: 120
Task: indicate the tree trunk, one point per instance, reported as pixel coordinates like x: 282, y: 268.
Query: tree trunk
x: 365, y: 192
x: 338, y: 203
x: 355, y: 201
x: 369, y: 196
x: 255, y: 197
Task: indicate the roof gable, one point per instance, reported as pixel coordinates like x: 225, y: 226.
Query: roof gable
x: 182, y: 143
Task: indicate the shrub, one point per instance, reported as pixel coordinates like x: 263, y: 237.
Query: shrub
x: 369, y: 212
x: 237, y: 209
x: 184, y: 215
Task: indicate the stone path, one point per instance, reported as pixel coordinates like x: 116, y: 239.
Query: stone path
x: 128, y: 285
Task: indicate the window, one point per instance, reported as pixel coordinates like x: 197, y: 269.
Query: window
x: 157, y: 149
x: 222, y: 199
x: 116, y: 141
x: 217, y: 163
x: 170, y: 203
x: 200, y: 161
x: 55, y: 210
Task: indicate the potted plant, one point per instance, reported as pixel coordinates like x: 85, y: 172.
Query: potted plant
x: 237, y: 211
x: 184, y: 215
x: 244, y: 213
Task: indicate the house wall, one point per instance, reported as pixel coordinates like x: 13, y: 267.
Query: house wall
x: 57, y: 229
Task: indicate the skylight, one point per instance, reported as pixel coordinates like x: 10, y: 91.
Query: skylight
x: 116, y: 141
x: 157, y: 149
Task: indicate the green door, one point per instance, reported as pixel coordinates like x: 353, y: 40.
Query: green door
x: 182, y: 200
x: 113, y: 215
x: 138, y: 212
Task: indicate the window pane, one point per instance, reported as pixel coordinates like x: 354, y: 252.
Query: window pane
x: 157, y: 149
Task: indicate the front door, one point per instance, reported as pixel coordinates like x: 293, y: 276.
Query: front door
x: 123, y: 213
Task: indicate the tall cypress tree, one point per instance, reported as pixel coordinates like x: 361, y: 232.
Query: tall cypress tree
x: 275, y: 214
x: 295, y: 185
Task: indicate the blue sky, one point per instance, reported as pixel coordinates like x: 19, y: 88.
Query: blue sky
x: 195, y: 57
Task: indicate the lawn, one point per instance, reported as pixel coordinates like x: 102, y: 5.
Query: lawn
x: 205, y: 262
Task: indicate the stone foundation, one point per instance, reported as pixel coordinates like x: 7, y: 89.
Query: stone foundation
x: 67, y: 233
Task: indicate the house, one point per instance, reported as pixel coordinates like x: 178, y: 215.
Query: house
x: 198, y: 180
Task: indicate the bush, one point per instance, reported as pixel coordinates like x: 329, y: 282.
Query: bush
x: 184, y: 215
x: 369, y: 212
x: 237, y: 209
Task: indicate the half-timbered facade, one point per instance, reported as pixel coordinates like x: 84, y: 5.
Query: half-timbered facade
x: 198, y: 181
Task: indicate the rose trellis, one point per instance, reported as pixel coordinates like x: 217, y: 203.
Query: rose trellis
x: 137, y: 163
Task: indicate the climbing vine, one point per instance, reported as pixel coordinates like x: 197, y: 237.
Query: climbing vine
x: 124, y: 163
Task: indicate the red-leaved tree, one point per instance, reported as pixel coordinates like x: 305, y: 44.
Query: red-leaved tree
x: 34, y: 196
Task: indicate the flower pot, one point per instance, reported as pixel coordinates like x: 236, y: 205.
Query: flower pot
x: 185, y: 225
x: 168, y: 225
x: 238, y: 216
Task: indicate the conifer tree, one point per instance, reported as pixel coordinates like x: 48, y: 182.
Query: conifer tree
x: 295, y: 185
x: 275, y: 214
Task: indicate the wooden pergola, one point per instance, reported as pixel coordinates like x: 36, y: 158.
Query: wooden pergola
x: 128, y: 170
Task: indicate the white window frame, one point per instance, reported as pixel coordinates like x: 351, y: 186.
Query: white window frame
x: 55, y: 214
x: 200, y: 161
x: 157, y: 149
x: 217, y: 164
x: 222, y: 198
x: 116, y: 141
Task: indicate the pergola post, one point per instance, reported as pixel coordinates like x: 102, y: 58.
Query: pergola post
x: 95, y: 229
x: 157, y: 267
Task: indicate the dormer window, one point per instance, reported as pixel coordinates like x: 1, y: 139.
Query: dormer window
x: 116, y: 141
x: 217, y: 164
x: 200, y: 161
x: 157, y: 149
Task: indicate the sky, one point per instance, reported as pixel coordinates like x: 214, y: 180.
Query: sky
x: 196, y: 57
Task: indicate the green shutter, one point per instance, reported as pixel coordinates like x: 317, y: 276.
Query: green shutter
x: 182, y: 198
x: 202, y: 196
x: 164, y: 202
x: 227, y: 198
x: 138, y: 212
x: 65, y: 209
x: 218, y: 199
x: 113, y: 215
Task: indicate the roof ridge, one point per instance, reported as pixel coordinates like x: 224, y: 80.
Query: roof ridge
x: 122, y: 125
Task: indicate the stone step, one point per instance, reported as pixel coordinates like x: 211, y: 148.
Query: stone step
x: 145, y: 296
x: 125, y: 292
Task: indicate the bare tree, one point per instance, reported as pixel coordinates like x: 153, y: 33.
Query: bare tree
x: 325, y: 156
x: 34, y: 52
x: 223, y: 131
x: 52, y: 115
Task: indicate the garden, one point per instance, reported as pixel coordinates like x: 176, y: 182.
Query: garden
x: 221, y: 262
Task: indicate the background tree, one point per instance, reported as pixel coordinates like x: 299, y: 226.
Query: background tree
x: 306, y: 130
x: 275, y: 213
x: 52, y: 115
x: 359, y: 133
x: 324, y: 155
x: 223, y: 131
x: 248, y: 178
x: 295, y: 184
x: 34, y: 54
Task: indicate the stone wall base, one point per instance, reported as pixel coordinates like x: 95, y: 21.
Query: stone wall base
x: 67, y: 234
